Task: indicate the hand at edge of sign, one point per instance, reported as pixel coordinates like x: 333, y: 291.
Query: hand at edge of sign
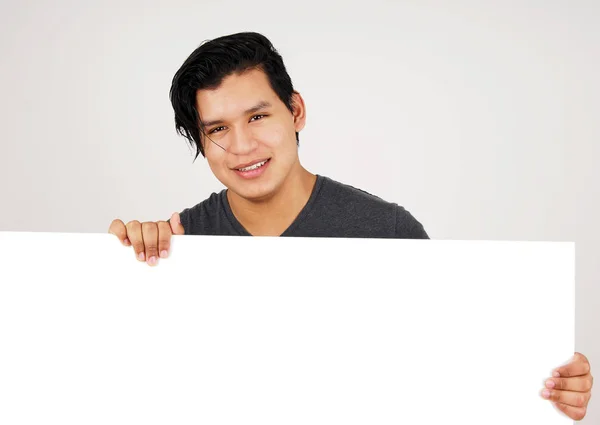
x: 150, y: 240
x: 570, y: 387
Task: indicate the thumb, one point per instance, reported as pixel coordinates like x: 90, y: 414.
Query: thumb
x: 176, y: 226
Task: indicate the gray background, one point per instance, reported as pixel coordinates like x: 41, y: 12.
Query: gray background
x: 480, y: 117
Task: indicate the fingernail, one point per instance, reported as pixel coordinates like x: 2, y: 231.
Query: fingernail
x: 152, y: 260
x: 141, y: 256
x: 546, y: 394
x: 555, y: 374
x: 163, y: 254
x: 126, y: 242
x: 550, y: 384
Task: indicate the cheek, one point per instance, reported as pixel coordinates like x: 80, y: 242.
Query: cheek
x: 274, y: 136
x: 216, y: 161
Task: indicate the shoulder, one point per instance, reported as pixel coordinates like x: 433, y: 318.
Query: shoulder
x: 378, y: 215
x: 201, y: 218
x: 407, y: 226
x: 343, y: 192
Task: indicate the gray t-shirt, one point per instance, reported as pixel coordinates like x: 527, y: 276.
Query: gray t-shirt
x: 334, y: 209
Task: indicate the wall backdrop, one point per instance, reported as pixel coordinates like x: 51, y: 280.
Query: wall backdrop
x: 479, y: 117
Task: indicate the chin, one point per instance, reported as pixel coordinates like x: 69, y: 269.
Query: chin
x: 256, y: 194
x: 255, y: 191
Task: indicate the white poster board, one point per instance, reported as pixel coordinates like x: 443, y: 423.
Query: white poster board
x: 282, y: 331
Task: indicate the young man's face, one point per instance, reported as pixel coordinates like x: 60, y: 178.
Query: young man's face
x: 246, y: 118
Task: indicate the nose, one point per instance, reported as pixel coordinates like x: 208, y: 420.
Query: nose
x: 242, y: 141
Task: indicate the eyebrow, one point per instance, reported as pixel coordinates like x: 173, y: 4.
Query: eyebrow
x: 255, y: 108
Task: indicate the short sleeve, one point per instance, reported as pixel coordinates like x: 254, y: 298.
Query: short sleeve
x: 407, y: 226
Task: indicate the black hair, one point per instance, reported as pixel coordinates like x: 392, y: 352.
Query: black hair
x: 210, y: 63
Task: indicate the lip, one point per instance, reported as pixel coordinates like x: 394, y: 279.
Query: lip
x: 247, y: 164
x: 252, y: 174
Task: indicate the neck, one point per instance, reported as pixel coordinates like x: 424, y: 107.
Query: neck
x: 272, y: 216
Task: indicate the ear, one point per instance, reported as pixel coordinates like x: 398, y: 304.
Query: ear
x: 299, y: 113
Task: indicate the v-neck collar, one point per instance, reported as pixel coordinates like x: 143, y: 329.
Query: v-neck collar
x: 241, y: 230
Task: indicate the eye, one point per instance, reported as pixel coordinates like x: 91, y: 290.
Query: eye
x: 258, y: 116
x: 214, y: 130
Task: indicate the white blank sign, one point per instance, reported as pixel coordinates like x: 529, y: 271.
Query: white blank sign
x: 240, y: 330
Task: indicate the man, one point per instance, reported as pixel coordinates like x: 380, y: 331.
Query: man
x: 235, y: 104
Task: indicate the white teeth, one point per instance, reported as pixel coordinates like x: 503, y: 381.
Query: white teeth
x: 253, y: 167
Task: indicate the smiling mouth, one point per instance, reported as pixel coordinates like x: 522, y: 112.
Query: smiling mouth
x: 253, y: 166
